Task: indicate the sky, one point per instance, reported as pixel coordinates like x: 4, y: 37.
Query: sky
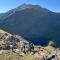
x: 53, y: 5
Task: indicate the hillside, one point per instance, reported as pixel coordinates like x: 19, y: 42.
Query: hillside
x: 1, y: 14
x: 15, y: 51
x: 36, y: 24
x: 2, y: 31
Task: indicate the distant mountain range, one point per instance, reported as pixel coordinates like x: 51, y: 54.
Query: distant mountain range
x: 36, y: 24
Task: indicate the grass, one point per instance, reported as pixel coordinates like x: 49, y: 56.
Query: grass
x: 49, y: 49
x: 2, y: 42
x: 2, y: 31
x: 9, y: 55
x: 13, y: 56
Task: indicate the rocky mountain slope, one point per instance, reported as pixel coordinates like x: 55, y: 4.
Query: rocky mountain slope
x: 36, y: 24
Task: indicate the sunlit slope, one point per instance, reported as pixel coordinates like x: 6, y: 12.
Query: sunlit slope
x: 2, y: 31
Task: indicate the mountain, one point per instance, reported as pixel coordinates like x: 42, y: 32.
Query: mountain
x: 36, y: 24
x: 1, y: 14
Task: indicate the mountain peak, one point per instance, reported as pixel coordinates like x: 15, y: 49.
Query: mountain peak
x: 30, y: 6
x: 24, y: 6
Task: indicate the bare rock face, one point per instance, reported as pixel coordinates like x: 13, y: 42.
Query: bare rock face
x: 34, y: 23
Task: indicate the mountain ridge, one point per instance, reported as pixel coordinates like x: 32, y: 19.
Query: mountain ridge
x: 21, y: 7
x: 34, y: 24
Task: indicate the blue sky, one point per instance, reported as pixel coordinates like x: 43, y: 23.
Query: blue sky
x: 53, y: 5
